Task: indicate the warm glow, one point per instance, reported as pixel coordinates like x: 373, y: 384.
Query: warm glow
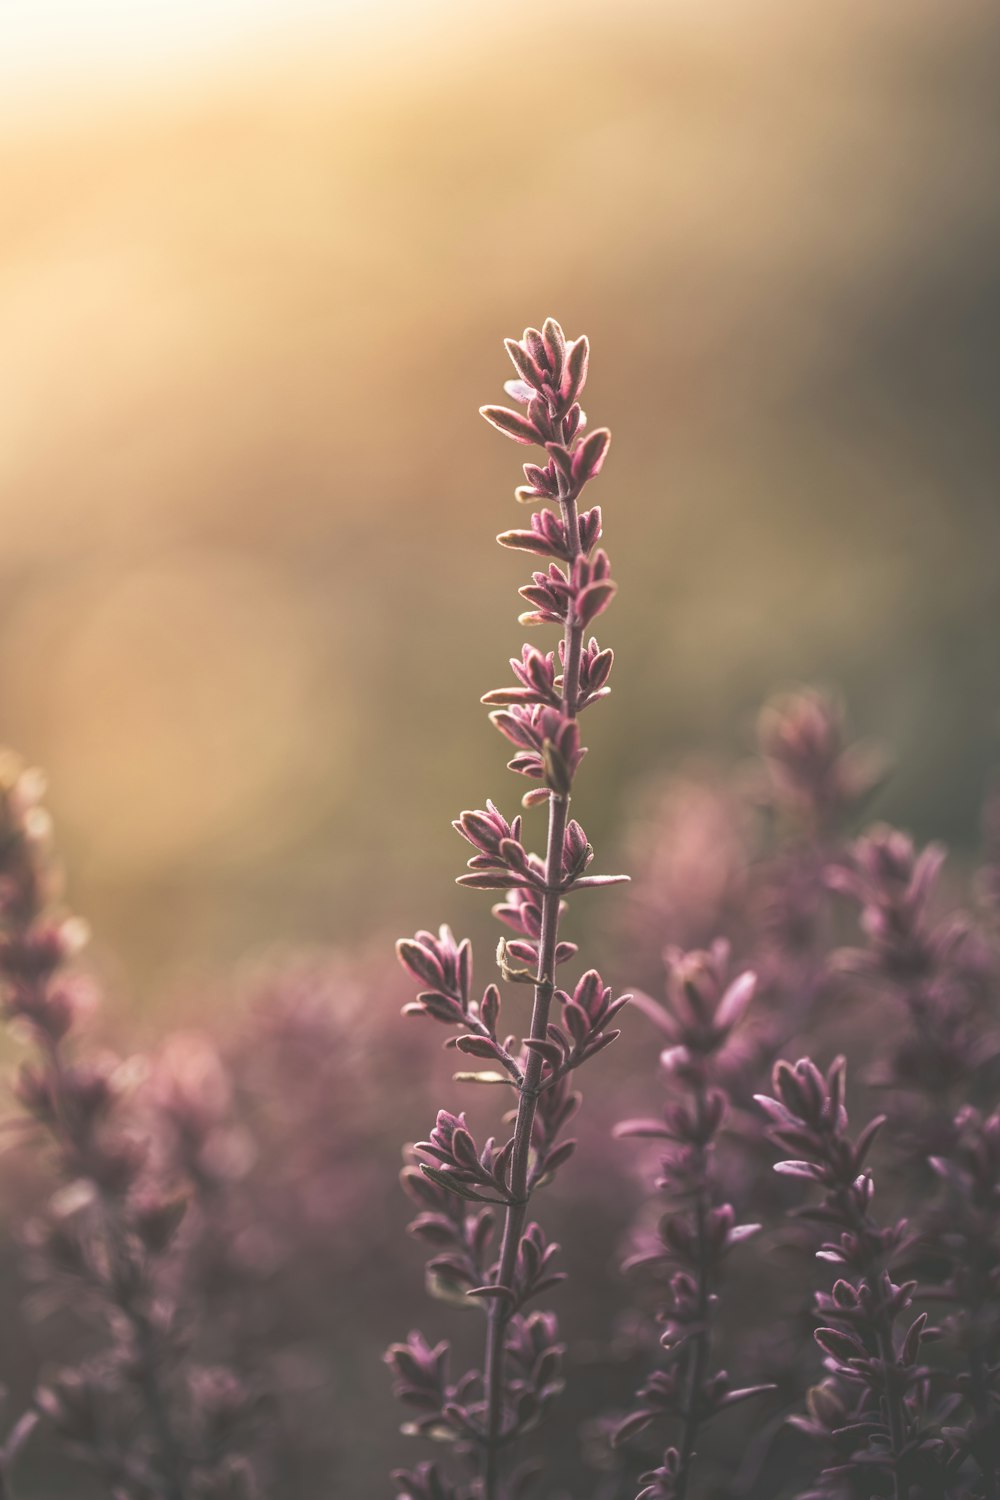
x: 47, y: 45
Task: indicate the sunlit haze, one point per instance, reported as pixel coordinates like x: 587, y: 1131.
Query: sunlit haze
x: 48, y: 44
x: 256, y: 262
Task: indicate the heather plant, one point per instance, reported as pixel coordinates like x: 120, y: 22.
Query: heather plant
x: 475, y: 1200
x: 755, y: 857
x: 935, y: 975
x: 892, y: 1419
x: 752, y: 856
x: 962, y: 1232
x: 814, y: 781
x: 938, y: 976
x: 874, y: 1411
x: 693, y: 1237
x: 904, y: 1409
x: 153, y: 1424
x: 274, y: 1117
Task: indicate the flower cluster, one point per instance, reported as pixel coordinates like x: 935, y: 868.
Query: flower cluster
x: 685, y: 1257
x: 485, y: 1412
x: 962, y: 1240
x: 877, y: 1408
x: 901, y: 1408
x: 936, y: 972
x: 816, y: 776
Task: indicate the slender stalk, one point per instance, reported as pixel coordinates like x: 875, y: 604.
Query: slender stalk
x: 895, y: 1415
x: 981, y: 1406
x: 893, y: 1408
x: 539, y: 717
x: 527, y: 1104
x: 698, y: 1368
x: 171, y: 1459
x: 864, y: 1226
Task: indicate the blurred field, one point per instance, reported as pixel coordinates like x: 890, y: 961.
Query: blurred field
x: 250, y: 596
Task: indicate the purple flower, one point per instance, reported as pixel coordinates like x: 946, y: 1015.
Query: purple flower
x: 486, y: 1411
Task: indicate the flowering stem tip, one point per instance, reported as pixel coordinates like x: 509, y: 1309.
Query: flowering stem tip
x: 459, y: 1186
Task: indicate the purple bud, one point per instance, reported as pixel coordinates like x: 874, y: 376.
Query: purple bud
x: 510, y: 423
x: 589, y: 457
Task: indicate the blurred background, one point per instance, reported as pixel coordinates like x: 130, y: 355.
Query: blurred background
x: 256, y: 265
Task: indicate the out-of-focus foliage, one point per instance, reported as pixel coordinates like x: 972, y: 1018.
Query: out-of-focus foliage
x: 279, y: 1117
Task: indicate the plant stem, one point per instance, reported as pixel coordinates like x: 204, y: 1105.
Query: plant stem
x: 893, y: 1409
x: 862, y: 1224
x: 527, y: 1104
x: 171, y: 1460
x: 981, y: 1405
x: 698, y: 1367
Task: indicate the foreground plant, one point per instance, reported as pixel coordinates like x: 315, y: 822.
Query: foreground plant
x: 457, y: 1184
